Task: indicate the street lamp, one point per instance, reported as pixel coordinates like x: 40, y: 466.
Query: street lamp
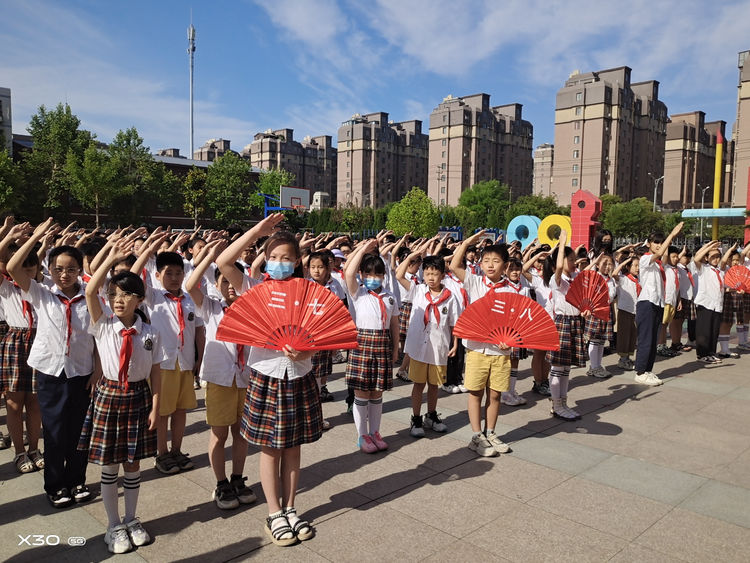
x: 656, y: 186
x: 703, y: 193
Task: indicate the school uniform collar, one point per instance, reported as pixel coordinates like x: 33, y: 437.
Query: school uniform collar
x: 118, y: 325
x: 81, y: 292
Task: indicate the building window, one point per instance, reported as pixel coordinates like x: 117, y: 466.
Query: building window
x: 442, y: 201
x: 579, y: 96
x: 442, y: 189
x: 347, y: 164
x: 576, y: 125
x: 576, y: 140
x: 445, y: 129
x: 348, y: 143
x: 579, y: 110
x: 442, y: 166
x: 575, y: 168
x: 445, y: 142
x: 445, y: 117
x: 348, y: 185
x: 442, y: 178
x: 576, y: 153
x: 347, y: 174
x: 443, y: 154
x: 574, y: 182
x: 347, y: 133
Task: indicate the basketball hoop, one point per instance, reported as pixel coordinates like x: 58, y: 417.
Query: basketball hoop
x: 300, y: 209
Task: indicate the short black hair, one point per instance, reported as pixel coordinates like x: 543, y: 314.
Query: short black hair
x: 164, y: 259
x: 499, y: 249
x: 434, y: 262
x: 129, y: 261
x: 324, y: 256
x: 71, y: 251
x: 656, y: 238
x: 403, y: 252
x: 372, y: 264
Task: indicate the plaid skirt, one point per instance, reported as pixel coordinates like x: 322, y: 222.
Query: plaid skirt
x: 404, y: 314
x: 369, y: 367
x: 572, y: 351
x: 282, y: 413
x: 116, y: 426
x: 16, y: 374
x: 734, y: 307
x: 597, y: 330
x: 746, y: 302
x: 519, y: 354
x: 322, y: 363
x: 687, y: 311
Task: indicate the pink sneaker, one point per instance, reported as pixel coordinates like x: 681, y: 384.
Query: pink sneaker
x: 379, y: 442
x: 366, y: 444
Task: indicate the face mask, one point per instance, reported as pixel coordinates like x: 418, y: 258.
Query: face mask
x: 372, y: 283
x: 279, y: 270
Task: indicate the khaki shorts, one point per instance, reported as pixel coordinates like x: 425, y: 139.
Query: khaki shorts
x: 483, y: 370
x: 224, y: 405
x: 669, y: 311
x: 177, y: 391
x: 419, y: 372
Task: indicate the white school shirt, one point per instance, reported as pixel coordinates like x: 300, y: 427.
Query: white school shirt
x: 710, y: 292
x: 652, y: 283
x: 558, y: 291
x: 430, y: 343
x: 541, y: 291
x: 334, y: 287
x: 50, y: 353
x: 457, y: 289
x: 672, y: 289
x: 221, y: 363
x: 163, y: 314
x: 367, y: 308
x: 687, y: 291
x: 403, y: 293
x: 10, y: 297
x: 476, y: 287
x: 627, y: 294
x: 611, y: 289
x: 147, y: 349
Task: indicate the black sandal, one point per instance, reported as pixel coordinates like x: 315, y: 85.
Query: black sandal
x: 301, y: 528
x: 277, y: 534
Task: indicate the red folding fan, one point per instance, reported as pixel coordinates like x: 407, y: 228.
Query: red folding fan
x: 297, y: 312
x: 508, y: 318
x: 738, y: 278
x: 589, y: 292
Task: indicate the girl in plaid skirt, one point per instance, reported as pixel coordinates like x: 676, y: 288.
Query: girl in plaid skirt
x: 733, y: 309
x: 515, y: 284
x: 369, y: 368
x: 19, y: 380
x: 282, y: 405
x: 559, y: 270
x: 120, y: 427
x: 597, y: 331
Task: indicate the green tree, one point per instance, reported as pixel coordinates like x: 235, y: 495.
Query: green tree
x: 536, y: 205
x: 92, y: 180
x: 55, y: 133
x: 270, y: 182
x: 634, y: 218
x: 608, y: 200
x: 11, y: 182
x: 228, y: 190
x: 489, y: 202
x: 194, y: 192
x: 415, y: 213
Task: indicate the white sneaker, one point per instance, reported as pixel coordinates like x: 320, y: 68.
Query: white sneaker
x: 482, y: 446
x: 648, y: 378
x: 565, y: 406
x: 500, y: 446
x: 461, y: 389
x: 625, y: 363
x: 600, y: 372
x: 508, y: 398
x: 744, y: 346
x: 138, y: 536
x: 447, y: 388
x: 117, y: 539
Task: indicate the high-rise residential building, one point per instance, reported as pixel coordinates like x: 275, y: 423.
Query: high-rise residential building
x: 609, y: 135
x: 741, y: 134
x: 212, y: 149
x: 544, y: 156
x: 313, y: 161
x: 472, y: 142
x: 379, y: 160
x: 689, y: 161
x: 6, y: 121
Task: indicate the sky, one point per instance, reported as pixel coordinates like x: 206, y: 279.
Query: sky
x: 309, y: 65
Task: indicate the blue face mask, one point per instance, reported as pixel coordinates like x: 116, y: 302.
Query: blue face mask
x: 373, y: 283
x: 279, y: 270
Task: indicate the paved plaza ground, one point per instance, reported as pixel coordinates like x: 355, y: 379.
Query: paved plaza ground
x: 649, y: 474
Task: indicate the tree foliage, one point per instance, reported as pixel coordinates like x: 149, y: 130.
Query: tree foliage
x: 415, y: 213
x: 11, y: 182
x: 634, y: 218
x: 194, y: 192
x: 489, y: 202
x: 270, y: 182
x: 536, y: 205
x: 228, y: 189
x: 93, y: 179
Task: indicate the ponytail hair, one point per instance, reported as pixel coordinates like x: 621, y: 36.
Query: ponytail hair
x: 550, y: 263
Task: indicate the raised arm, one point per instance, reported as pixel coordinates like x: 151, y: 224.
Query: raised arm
x: 703, y: 252
x: 727, y: 255
x: 15, y: 264
x: 560, y: 264
x: 204, y: 259
x: 457, y: 263
x: 401, y: 270
x: 664, y: 248
x: 352, y: 267
x: 119, y: 251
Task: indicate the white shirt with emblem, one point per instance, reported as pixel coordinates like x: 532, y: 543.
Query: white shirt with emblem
x: 147, y: 349
x: 430, y: 343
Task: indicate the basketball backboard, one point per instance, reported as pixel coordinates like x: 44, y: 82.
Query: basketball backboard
x: 294, y: 197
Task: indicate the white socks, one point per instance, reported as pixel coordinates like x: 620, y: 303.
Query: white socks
x: 132, y: 485
x: 374, y: 414
x: 109, y: 494
x: 360, y: 411
x: 741, y: 334
x: 724, y: 343
x: 556, y: 375
x: 513, y: 379
x: 596, y: 353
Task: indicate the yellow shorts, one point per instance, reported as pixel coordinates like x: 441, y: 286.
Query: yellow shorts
x: 224, y: 405
x: 419, y: 372
x: 669, y: 312
x: 177, y: 391
x: 483, y: 371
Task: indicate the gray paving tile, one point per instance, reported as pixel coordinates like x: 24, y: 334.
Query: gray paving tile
x: 634, y: 553
x: 693, y: 384
x: 558, y: 454
x: 645, y: 479
x: 720, y: 500
x: 462, y: 551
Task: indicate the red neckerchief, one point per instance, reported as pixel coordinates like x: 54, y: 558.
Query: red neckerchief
x: 464, y: 295
x: 661, y: 270
x: 718, y: 275
x: 86, y: 278
x: 69, y: 316
x: 339, y: 271
x: 676, y: 279
x: 383, y: 314
x: 638, y: 288
x: 433, y: 305
x: 180, y: 315
x: 144, y: 275
x: 512, y: 285
x: 414, y: 278
x: 126, y: 351
x: 502, y: 283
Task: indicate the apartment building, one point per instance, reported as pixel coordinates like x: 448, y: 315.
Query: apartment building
x: 379, y: 160
x: 609, y: 135
x: 544, y: 157
x: 471, y: 142
x: 6, y: 121
x: 741, y: 134
x: 212, y: 149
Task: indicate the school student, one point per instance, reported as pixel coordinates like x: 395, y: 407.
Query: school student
x: 708, y: 264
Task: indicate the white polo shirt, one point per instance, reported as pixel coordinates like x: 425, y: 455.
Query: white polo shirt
x: 672, y: 289
x: 710, y: 292
x: 164, y: 317
x: 558, y: 292
x: 627, y: 294
x: 687, y: 289
x: 10, y: 296
x: 369, y: 315
x: 221, y: 363
x: 430, y: 343
x: 147, y: 349
x: 652, y: 278
x: 52, y: 352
